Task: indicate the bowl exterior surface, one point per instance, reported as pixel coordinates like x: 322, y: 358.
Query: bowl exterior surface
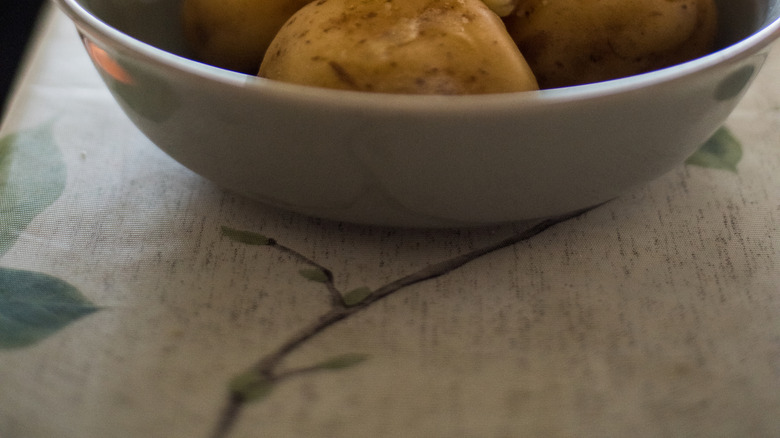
x: 434, y: 162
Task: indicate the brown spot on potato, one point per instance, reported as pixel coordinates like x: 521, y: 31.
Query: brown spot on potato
x: 342, y: 74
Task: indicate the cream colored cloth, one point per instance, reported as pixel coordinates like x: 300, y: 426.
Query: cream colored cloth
x: 655, y: 315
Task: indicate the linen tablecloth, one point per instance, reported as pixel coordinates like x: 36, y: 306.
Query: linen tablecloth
x: 138, y: 299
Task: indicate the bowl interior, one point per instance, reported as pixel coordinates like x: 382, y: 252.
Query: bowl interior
x: 157, y: 22
x: 154, y: 22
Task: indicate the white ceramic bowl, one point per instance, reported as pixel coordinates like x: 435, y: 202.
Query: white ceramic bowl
x: 417, y: 160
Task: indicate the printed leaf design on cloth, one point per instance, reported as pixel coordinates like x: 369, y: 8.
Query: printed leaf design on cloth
x: 246, y: 237
x: 356, y: 296
x: 257, y: 383
x: 251, y: 387
x: 314, y: 274
x: 34, y: 306
x: 341, y: 362
x: 32, y: 177
x: 721, y: 151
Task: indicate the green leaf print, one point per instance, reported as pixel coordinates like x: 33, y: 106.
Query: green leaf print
x: 356, y: 296
x: 34, y: 306
x: 721, y: 151
x: 258, y: 383
x: 246, y: 237
x: 251, y: 387
x: 314, y: 274
x: 342, y: 362
x: 32, y: 177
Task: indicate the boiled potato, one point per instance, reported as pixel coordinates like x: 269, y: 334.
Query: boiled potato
x: 571, y: 42
x: 398, y: 46
x: 501, y: 7
x: 234, y: 34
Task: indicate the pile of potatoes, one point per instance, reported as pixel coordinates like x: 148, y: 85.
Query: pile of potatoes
x: 448, y: 46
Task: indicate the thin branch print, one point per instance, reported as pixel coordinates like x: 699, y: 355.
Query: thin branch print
x: 261, y: 378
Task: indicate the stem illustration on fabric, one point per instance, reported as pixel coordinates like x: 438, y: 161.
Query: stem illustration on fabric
x: 260, y: 379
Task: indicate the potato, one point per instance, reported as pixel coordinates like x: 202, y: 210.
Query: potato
x: 398, y: 46
x: 234, y: 34
x: 502, y: 8
x: 571, y: 42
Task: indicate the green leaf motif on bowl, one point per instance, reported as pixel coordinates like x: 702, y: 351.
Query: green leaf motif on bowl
x: 721, y: 151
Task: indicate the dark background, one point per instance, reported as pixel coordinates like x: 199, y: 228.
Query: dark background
x: 17, y: 19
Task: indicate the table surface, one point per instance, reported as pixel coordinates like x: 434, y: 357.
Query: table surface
x: 139, y: 300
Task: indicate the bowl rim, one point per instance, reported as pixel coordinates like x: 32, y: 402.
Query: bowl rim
x: 90, y: 24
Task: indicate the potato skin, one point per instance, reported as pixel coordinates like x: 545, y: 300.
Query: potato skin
x: 572, y: 42
x: 234, y: 34
x: 398, y: 46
